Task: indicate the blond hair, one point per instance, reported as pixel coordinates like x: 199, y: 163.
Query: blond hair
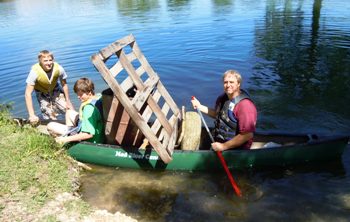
x: 45, y: 53
x: 235, y: 73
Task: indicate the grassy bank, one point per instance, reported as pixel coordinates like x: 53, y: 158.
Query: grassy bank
x: 33, y: 172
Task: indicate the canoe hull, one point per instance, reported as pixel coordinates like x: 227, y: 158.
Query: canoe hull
x: 109, y: 155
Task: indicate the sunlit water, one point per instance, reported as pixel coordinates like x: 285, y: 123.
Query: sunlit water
x: 295, y: 60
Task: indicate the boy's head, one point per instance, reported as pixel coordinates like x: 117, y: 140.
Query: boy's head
x: 84, y: 86
x: 46, y: 60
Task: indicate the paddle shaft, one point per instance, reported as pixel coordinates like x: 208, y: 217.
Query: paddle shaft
x: 221, y: 157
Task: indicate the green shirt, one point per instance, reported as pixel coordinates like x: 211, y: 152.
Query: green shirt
x: 92, y: 123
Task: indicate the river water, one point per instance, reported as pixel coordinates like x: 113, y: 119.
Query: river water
x: 294, y: 57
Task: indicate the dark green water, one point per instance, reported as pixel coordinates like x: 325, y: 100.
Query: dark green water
x: 295, y: 60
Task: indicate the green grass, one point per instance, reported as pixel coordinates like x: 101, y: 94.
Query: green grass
x: 33, y: 168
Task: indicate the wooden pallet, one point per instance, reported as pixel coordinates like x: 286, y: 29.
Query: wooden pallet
x: 123, y: 66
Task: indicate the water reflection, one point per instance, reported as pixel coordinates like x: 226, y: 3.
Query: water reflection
x: 307, y: 67
x: 143, y: 8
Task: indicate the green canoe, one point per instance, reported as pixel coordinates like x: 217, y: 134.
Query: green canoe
x: 281, y: 150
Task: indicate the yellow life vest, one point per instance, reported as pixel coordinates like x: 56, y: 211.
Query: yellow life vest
x: 91, y: 101
x: 43, y: 83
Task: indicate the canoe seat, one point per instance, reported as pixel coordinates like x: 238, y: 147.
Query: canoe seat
x: 257, y: 145
x: 123, y: 66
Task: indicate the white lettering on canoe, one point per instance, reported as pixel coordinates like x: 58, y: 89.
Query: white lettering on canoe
x: 135, y: 155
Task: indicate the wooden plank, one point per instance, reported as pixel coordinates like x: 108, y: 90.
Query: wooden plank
x: 143, y: 60
x: 159, y: 114
x: 156, y: 125
x: 142, y: 96
x: 111, y: 49
x: 126, y: 84
x: 172, y: 141
x: 130, y: 56
x: 131, y: 71
x: 140, y: 70
x: 116, y: 69
x: 148, y: 112
x: 111, y: 114
x: 168, y: 99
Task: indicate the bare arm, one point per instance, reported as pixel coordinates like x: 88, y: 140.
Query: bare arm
x: 69, y: 105
x: 235, y: 142
x: 77, y: 137
x: 29, y: 102
x: 204, y: 109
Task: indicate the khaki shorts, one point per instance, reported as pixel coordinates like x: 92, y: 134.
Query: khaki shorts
x: 59, y: 129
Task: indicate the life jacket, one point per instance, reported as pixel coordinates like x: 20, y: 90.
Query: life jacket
x: 226, y: 121
x: 96, y: 101
x: 43, y: 83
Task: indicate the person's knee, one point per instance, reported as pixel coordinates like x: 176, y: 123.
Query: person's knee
x: 72, y: 117
x: 51, y: 127
x: 56, y: 129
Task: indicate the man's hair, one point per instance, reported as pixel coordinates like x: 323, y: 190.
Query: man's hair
x: 235, y: 73
x: 45, y: 53
x: 84, y: 85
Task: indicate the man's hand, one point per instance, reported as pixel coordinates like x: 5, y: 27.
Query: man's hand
x: 195, y: 103
x: 218, y: 146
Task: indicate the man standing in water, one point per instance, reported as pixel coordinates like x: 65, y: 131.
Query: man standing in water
x: 235, y: 115
x: 42, y: 79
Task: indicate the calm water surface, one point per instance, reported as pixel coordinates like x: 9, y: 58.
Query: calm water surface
x: 295, y: 60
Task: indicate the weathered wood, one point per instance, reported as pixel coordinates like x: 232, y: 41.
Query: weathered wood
x: 110, y: 50
x: 99, y: 64
x: 150, y: 91
x: 116, y: 69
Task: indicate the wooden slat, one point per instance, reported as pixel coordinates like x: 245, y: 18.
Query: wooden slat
x: 111, y: 115
x: 156, y: 125
x: 131, y: 57
x: 159, y: 114
x: 131, y: 71
x: 127, y: 84
x: 148, y: 112
x: 111, y: 49
x: 142, y: 96
x: 116, y: 69
x: 140, y: 70
x: 143, y: 60
x: 168, y: 98
x: 172, y: 141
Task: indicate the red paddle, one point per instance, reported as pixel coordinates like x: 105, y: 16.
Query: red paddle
x: 222, y: 160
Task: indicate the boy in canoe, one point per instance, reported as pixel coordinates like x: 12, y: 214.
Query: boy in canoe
x: 42, y: 79
x: 86, y: 125
x: 235, y: 115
